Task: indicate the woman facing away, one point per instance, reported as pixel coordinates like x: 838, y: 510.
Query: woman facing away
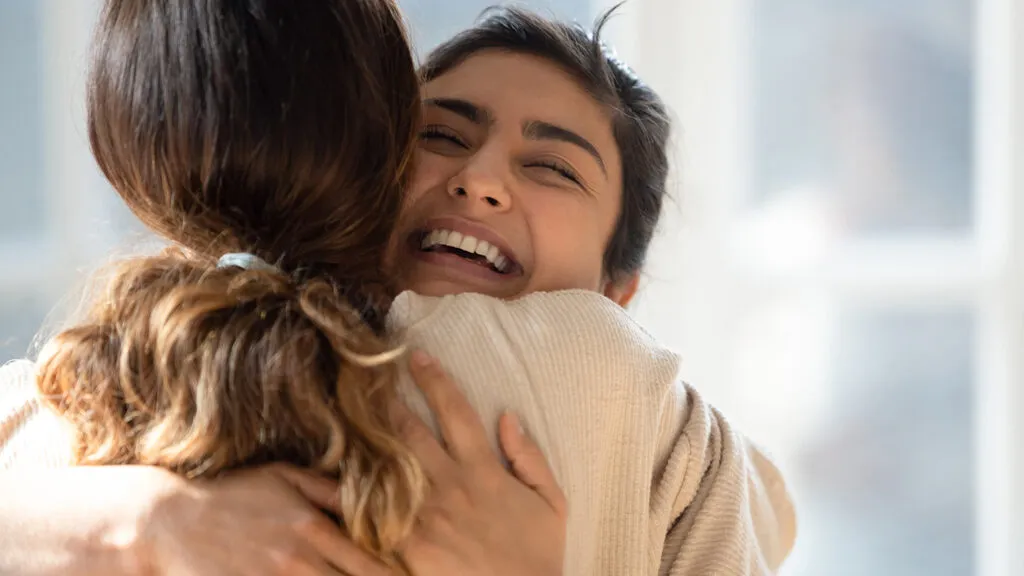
x: 244, y: 133
x: 656, y: 481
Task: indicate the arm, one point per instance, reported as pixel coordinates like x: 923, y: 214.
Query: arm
x: 480, y: 518
x: 134, y: 521
x: 55, y: 519
x: 74, y: 521
x: 138, y: 520
x: 721, y: 489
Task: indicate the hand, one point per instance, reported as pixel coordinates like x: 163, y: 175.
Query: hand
x: 260, y: 522
x: 479, y: 519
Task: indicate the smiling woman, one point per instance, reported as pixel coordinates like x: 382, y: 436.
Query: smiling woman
x: 556, y: 177
x: 534, y: 174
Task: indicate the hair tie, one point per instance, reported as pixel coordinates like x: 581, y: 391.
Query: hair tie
x: 246, y: 261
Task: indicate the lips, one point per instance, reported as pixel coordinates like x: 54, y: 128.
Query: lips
x: 466, y: 246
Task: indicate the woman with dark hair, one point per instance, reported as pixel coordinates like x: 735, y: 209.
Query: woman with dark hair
x: 536, y: 187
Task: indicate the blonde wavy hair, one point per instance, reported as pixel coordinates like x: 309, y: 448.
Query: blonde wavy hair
x: 280, y: 129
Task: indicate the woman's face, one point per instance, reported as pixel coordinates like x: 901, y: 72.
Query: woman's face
x: 516, y: 185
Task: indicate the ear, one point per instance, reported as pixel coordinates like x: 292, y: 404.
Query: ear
x: 622, y: 291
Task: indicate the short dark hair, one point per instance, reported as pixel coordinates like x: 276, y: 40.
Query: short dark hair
x: 640, y: 123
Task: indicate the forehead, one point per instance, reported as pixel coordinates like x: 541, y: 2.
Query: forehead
x: 516, y: 87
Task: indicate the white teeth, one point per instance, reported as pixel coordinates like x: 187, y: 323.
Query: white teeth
x: 468, y: 244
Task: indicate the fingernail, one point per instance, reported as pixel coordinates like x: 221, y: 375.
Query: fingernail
x: 421, y: 359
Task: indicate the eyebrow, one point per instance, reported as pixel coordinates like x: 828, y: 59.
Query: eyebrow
x: 466, y: 109
x: 534, y: 129
x: 538, y: 130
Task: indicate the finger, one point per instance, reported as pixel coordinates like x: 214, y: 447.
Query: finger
x: 313, y: 568
x: 528, y: 462
x: 301, y: 560
x: 436, y: 462
x: 461, y: 428
x: 341, y: 554
x: 323, y: 493
x: 422, y: 547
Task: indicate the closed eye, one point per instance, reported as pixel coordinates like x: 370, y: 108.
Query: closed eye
x: 440, y: 133
x: 558, y: 168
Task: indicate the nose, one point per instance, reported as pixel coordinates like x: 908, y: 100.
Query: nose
x: 481, y: 186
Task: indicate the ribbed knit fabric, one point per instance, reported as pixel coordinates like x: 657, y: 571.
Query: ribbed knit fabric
x: 31, y: 436
x: 658, y: 482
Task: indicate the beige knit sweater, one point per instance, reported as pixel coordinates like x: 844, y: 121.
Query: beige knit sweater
x: 658, y: 482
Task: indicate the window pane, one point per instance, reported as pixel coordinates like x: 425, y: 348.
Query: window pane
x: 22, y: 206
x: 863, y: 108
x: 433, y: 22
x: 884, y: 479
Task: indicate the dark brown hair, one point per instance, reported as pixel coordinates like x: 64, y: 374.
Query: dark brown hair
x: 279, y: 129
x: 640, y: 122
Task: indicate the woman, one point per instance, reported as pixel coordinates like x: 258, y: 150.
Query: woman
x: 246, y: 134
x: 653, y: 473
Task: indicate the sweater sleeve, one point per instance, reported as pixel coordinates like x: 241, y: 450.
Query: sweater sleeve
x: 658, y: 481
x: 725, y: 505
x: 30, y: 434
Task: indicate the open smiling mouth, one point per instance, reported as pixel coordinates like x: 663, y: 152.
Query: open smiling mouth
x: 467, y: 247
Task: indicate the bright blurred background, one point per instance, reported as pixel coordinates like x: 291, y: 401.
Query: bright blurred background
x: 842, y: 264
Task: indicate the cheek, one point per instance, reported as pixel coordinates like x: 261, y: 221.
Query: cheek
x: 429, y: 172
x: 569, y: 245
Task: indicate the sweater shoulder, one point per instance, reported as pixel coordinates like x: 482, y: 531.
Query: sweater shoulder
x: 31, y: 435
x: 17, y: 386
x: 570, y: 335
